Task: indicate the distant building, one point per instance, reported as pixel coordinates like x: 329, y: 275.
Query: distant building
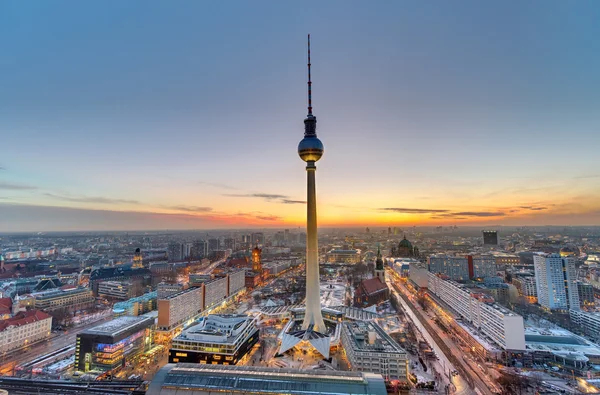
x: 588, y: 322
x: 107, y: 347
x: 344, y: 255
x: 556, y: 284
x: 120, y: 290
x: 24, y: 329
x: 165, y: 289
x: 140, y: 277
x: 254, y: 380
x: 218, y: 339
x: 525, y: 284
x: 463, y: 268
x: 370, y: 349
x: 379, y: 269
x: 490, y: 237
x: 200, y: 249
x: 69, y: 298
x: 405, y: 249
x: 175, y: 252
x: 136, y: 306
x: 137, y: 259
x: 586, y: 294
x: 371, y: 291
x: 213, y: 245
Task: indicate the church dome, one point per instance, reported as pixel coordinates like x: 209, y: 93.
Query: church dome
x: 405, y: 243
x: 568, y: 251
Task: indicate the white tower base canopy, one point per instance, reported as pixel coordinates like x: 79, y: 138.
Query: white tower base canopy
x: 318, y: 340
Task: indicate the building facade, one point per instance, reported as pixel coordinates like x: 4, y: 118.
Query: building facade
x: 463, y: 268
x: 218, y: 339
x: 215, y: 292
x: 177, y: 308
x: 339, y: 255
x: 24, y: 329
x: 502, y: 326
x: 370, y: 349
x: 556, y: 285
x: 70, y: 299
x: 109, y: 346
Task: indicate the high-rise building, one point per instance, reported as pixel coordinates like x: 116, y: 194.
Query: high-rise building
x: 174, y: 252
x: 229, y: 243
x: 490, y: 237
x: 463, y: 268
x: 186, y: 250
x: 199, y: 249
x: 586, y: 294
x: 555, y: 279
x: 213, y: 245
x: 379, y: 270
x: 257, y: 238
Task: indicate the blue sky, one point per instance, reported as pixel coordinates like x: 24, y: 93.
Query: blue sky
x: 163, y: 111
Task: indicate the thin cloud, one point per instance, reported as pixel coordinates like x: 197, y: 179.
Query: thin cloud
x: 217, y: 185
x: 534, y: 208
x: 16, y: 187
x: 288, y: 201
x: 268, y: 217
x: 269, y: 197
x: 2, y: 168
x: 91, y: 199
x: 191, y: 209
x: 266, y: 196
x: 413, y: 210
x: 477, y: 214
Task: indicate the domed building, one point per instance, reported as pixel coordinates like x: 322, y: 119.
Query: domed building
x: 405, y: 249
x: 568, y: 251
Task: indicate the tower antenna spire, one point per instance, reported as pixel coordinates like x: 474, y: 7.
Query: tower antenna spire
x: 309, y: 81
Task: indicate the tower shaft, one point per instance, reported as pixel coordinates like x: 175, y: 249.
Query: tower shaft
x: 313, y: 299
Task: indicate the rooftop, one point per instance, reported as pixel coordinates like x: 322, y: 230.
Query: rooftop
x: 23, y: 318
x: 259, y: 380
x: 116, y: 326
x: 369, y: 337
x: 217, y: 328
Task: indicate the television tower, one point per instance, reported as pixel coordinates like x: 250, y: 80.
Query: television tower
x: 310, y: 150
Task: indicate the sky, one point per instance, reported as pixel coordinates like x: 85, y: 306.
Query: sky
x: 159, y: 115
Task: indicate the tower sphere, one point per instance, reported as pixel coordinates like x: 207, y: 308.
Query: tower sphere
x: 310, y: 149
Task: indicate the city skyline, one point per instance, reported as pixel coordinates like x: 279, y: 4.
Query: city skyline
x: 188, y: 118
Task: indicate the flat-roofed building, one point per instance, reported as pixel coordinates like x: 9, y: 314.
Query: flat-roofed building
x: 344, y: 255
x: 107, y: 347
x: 136, y: 306
x: 217, y: 339
x: 502, y: 326
x: 177, y: 308
x: 164, y: 289
x: 370, y: 349
x: 251, y: 380
x: 215, y: 292
x: 556, y: 284
x: 120, y: 290
x: 66, y: 298
x: 237, y: 281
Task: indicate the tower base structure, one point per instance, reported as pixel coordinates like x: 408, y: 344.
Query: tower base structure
x: 295, y: 335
